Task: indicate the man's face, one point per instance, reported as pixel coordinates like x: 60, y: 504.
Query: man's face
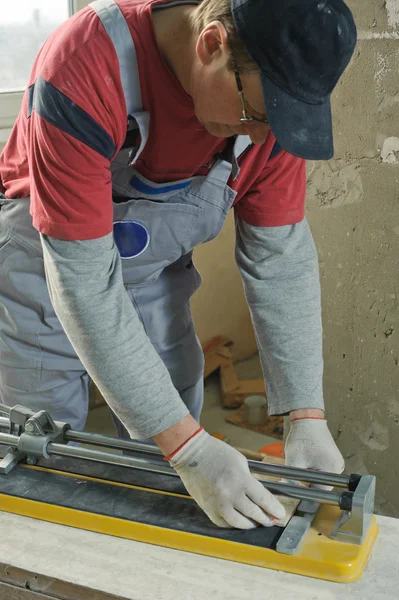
x: 215, y: 95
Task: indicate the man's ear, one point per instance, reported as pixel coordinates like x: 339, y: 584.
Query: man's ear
x: 212, y: 42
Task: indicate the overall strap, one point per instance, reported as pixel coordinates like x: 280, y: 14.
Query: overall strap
x: 241, y: 144
x: 117, y: 29
x: 228, y: 164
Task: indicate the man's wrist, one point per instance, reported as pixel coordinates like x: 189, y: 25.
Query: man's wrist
x: 303, y: 413
x: 169, y: 440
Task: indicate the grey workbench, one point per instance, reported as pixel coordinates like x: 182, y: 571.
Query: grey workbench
x: 43, y: 561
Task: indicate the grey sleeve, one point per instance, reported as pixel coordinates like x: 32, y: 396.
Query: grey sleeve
x: 86, y: 288
x: 279, y: 267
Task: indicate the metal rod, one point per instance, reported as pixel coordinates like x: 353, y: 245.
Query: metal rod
x: 4, y: 423
x: 110, y: 442
x: 5, y: 409
x: 155, y: 465
x: 8, y: 439
x: 303, y: 493
x: 143, y: 464
x: 321, y: 478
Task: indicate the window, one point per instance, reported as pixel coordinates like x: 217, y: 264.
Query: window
x: 24, y: 26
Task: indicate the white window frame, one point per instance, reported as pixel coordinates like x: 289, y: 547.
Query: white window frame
x: 10, y: 102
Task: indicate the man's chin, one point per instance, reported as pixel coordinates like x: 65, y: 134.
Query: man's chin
x: 218, y: 130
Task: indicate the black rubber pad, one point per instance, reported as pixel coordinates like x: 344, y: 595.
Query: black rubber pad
x: 142, y: 506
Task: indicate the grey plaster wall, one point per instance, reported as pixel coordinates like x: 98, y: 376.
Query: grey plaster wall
x: 353, y: 208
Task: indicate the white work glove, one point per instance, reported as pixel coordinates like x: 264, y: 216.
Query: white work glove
x: 218, y: 478
x: 310, y: 445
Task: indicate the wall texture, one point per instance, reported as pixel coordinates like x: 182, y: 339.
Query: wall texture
x: 353, y: 208
x: 219, y: 306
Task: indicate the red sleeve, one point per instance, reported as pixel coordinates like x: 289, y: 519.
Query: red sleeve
x: 277, y: 196
x: 76, y: 126
x: 70, y: 185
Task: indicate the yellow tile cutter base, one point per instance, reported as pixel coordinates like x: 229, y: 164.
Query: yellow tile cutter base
x: 137, y: 496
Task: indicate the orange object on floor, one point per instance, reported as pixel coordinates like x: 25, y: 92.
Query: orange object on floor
x: 276, y: 449
x: 218, y: 435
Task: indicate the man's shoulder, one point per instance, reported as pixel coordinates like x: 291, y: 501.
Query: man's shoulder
x: 69, y: 39
x: 78, y: 66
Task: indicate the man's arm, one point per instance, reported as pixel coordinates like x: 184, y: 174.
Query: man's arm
x: 281, y: 278
x: 86, y: 288
x: 280, y: 272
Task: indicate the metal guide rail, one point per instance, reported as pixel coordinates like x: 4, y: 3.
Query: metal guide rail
x: 30, y: 436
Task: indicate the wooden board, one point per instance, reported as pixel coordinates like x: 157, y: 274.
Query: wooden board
x: 217, y: 352
x: 274, y: 426
x: 19, y: 584
x: 218, y: 355
x: 234, y: 390
x: 228, y: 378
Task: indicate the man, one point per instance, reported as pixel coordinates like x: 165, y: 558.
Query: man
x: 143, y: 123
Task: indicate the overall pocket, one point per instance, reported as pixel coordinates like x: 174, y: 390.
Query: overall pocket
x: 151, y: 235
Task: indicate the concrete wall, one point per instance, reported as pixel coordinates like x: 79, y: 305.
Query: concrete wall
x: 353, y: 208
x: 219, y: 307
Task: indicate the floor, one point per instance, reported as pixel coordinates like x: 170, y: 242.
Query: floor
x: 213, y: 414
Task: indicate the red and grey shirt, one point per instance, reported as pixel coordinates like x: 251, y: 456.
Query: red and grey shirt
x: 73, y: 121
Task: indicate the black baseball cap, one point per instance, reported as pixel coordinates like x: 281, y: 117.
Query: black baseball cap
x: 302, y: 47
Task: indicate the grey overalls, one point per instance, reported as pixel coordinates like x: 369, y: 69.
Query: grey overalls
x: 156, y: 227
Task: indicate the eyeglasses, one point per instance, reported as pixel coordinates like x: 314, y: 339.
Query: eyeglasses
x: 245, y: 118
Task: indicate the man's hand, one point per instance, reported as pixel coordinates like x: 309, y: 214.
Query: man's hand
x: 310, y: 445
x: 218, y: 478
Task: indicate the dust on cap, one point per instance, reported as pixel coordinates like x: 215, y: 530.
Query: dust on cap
x: 301, y: 47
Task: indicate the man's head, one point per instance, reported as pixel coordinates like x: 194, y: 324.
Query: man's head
x: 286, y: 54
x: 214, y: 86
